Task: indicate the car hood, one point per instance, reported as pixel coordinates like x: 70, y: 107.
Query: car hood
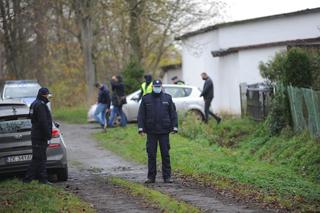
x: 28, y: 101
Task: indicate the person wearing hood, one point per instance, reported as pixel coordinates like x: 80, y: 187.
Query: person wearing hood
x: 157, y: 117
x: 146, y: 87
x: 41, y: 120
x: 103, y: 105
x: 118, y: 99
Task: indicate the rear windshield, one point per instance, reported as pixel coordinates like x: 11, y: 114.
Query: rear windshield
x: 21, y: 91
x: 20, y: 125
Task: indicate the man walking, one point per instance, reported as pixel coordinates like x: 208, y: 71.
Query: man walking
x: 118, y: 99
x: 208, y: 94
x: 40, y: 134
x: 157, y: 117
x: 103, y: 104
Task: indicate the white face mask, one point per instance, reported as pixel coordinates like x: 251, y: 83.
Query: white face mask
x: 157, y: 89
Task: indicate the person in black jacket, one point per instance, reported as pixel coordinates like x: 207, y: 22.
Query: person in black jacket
x: 40, y: 134
x: 208, y: 94
x: 118, y: 99
x: 103, y: 105
x: 157, y: 117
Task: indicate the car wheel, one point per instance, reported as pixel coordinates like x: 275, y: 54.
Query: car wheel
x: 197, y: 114
x: 62, y: 174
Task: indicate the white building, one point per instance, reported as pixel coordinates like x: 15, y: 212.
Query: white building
x: 170, y: 71
x: 231, y: 52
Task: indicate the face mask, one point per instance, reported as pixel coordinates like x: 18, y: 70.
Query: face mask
x: 157, y: 90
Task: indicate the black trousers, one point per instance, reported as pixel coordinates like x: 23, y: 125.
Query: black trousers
x: 207, y: 104
x: 37, y: 168
x: 152, y: 144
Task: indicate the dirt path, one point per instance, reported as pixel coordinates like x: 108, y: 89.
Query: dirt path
x: 97, y: 162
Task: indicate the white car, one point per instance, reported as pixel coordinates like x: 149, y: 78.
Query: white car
x: 186, y: 98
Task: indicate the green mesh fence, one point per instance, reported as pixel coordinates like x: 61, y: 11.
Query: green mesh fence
x: 305, y: 109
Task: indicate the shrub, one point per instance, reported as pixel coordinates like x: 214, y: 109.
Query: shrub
x: 132, y: 74
x: 297, y: 69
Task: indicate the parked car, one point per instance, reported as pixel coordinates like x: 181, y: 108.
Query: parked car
x: 24, y: 90
x: 186, y: 99
x: 15, y: 142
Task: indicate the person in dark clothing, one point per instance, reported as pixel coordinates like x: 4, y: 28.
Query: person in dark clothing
x: 118, y: 99
x: 157, y: 117
x: 208, y: 95
x: 175, y: 80
x: 40, y: 134
x: 103, y: 105
x: 146, y: 87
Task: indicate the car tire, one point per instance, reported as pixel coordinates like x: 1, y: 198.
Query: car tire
x: 197, y: 114
x: 62, y: 174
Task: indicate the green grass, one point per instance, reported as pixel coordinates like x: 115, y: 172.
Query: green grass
x: 75, y: 115
x: 231, y: 157
x: 153, y: 197
x: 18, y: 197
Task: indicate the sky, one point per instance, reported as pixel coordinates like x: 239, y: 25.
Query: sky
x: 246, y: 9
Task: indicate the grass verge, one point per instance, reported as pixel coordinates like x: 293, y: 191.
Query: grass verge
x: 241, y: 167
x: 34, y: 197
x: 75, y: 115
x: 155, y: 198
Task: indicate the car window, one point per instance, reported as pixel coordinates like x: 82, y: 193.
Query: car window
x: 178, y: 92
x: 21, y: 91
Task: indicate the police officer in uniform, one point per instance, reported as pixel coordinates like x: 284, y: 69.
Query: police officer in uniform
x: 40, y: 134
x: 157, y: 117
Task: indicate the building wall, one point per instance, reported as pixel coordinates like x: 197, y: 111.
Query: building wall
x: 229, y: 71
x: 166, y: 79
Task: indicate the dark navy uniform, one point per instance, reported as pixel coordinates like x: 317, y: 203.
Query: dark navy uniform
x: 157, y: 117
x: 40, y: 134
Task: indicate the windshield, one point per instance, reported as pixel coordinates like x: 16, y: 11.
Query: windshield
x: 21, y: 91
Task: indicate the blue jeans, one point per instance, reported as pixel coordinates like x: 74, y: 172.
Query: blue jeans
x: 117, y: 111
x: 100, y: 113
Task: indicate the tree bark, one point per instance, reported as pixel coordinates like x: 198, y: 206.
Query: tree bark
x: 84, y: 9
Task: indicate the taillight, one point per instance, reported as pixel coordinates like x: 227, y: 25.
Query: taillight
x: 55, y: 133
x: 54, y: 145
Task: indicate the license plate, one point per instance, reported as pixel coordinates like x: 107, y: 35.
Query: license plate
x: 19, y: 158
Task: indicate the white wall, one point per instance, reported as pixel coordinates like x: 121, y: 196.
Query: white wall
x: 229, y: 71
x: 170, y: 74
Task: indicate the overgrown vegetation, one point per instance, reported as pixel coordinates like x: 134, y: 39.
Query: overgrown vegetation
x: 18, y: 197
x: 296, y: 67
x: 240, y: 156
x: 164, y: 202
x: 76, y: 115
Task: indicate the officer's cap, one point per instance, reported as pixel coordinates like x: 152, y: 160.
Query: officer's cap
x: 157, y: 83
x: 43, y: 91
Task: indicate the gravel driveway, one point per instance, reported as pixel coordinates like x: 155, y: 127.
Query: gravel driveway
x: 89, y: 162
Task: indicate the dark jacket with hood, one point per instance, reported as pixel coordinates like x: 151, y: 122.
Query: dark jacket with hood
x: 104, y: 96
x: 208, y: 90
x: 157, y: 114
x: 117, y: 91
x: 41, y: 121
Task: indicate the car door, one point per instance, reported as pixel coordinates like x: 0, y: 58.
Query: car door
x: 179, y: 96
x: 132, y: 107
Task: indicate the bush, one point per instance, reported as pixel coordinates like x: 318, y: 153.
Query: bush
x: 132, y: 74
x: 286, y: 68
x: 297, y: 69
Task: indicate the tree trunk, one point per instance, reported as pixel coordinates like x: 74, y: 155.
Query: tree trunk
x: 84, y: 10
x: 135, y: 10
